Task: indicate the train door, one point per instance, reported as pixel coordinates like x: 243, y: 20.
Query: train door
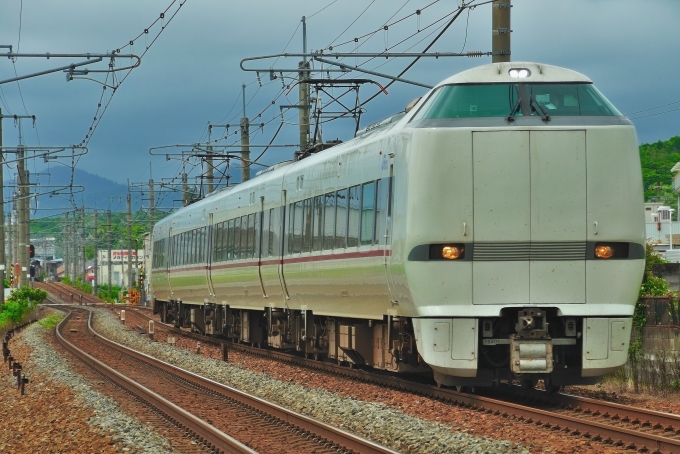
x: 209, y: 241
x: 389, y: 188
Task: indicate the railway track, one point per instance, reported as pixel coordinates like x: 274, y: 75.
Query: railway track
x: 619, y: 425
x: 207, y: 406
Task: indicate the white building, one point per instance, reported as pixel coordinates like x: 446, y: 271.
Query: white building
x: 119, y: 266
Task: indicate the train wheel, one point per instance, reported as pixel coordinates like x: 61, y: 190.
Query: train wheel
x: 528, y: 384
x: 551, y: 388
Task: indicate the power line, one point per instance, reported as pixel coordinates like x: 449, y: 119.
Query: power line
x: 653, y: 108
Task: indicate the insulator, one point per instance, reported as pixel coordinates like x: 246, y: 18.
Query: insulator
x: 475, y: 53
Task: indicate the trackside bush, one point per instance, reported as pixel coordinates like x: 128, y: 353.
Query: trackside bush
x: 19, y: 305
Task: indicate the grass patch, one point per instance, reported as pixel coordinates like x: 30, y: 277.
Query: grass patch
x: 50, y: 321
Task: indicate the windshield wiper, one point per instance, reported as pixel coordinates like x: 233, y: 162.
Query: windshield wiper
x: 532, y: 102
x: 511, y: 116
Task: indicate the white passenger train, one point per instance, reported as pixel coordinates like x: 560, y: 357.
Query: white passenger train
x: 493, y: 232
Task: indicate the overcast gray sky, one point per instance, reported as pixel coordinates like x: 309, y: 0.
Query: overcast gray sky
x: 191, y: 75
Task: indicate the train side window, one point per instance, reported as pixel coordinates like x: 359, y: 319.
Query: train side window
x: 192, y: 247
x: 341, y: 219
x: 223, y: 241
x: 244, y: 238
x: 329, y: 221
x: 297, y: 227
x: 265, y: 233
x: 204, y: 245
x: 289, y: 228
x: 180, y: 259
x: 237, y: 238
x: 216, y: 244
x: 273, y: 237
x: 250, y: 250
x: 354, y: 216
x: 307, y: 226
x: 230, y: 240
x: 367, y: 213
x: 317, y: 216
x: 256, y: 237
x: 380, y: 211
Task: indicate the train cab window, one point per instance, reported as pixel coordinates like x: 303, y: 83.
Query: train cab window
x: 367, y: 213
x: 230, y: 240
x: 307, y: 226
x: 501, y: 100
x: 570, y: 100
x: 341, y: 203
x: 474, y: 100
x: 317, y: 217
x: 354, y: 216
x: 329, y: 221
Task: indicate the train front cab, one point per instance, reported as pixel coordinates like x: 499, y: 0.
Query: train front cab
x: 541, y: 199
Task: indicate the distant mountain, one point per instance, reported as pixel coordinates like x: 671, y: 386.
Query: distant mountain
x: 97, y: 191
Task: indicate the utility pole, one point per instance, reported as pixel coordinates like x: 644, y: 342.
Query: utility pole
x: 2, y: 218
x: 74, y: 262
x: 22, y: 249
x: 152, y: 206
x: 95, y: 267
x: 129, y: 235
x: 84, y: 244
x: 184, y: 190
x: 304, y: 93
x: 500, y: 31
x: 65, y: 245
x: 210, y: 177
x: 245, y: 142
x: 9, y: 251
x: 108, y: 245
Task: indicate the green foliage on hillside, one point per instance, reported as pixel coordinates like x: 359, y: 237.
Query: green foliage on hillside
x: 54, y: 225
x: 657, y: 161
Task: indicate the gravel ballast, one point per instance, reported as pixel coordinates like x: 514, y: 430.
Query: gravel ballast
x: 374, y: 421
x: 108, y: 418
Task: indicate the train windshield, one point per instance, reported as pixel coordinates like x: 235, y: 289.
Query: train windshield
x: 502, y: 100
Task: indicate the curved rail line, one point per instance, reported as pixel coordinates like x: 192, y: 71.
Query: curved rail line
x: 212, y: 437
x: 322, y: 431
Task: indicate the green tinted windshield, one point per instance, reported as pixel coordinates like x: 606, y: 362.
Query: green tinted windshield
x: 500, y: 100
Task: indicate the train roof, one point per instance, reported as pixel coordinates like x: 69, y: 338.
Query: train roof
x: 502, y: 73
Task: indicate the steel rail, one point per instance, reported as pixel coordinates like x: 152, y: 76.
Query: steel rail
x: 634, y: 415
x: 322, y: 430
x: 213, y: 437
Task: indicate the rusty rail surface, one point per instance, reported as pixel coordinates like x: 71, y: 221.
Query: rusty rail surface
x: 213, y: 437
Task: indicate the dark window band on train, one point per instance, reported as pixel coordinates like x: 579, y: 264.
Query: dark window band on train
x: 501, y: 100
x: 349, y: 217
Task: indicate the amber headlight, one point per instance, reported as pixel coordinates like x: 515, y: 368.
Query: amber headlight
x: 452, y: 252
x: 604, y: 251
